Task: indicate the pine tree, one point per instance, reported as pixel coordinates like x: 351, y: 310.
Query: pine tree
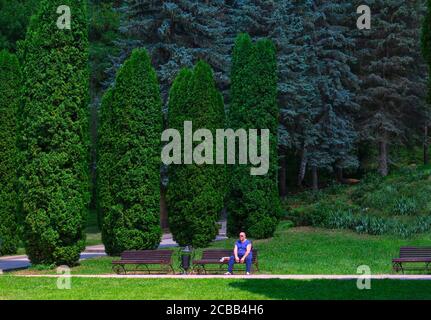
x: 297, y: 64
x: 195, y: 192
x: 129, y: 158
x: 426, y: 52
x: 392, y: 74
x: 317, y: 86
x: 337, y: 85
x: 177, y: 34
x: 53, y: 135
x: 10, y: 90
x: 253, y: 202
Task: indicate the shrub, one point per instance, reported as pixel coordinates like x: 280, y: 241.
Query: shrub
x: 195, y: 192
x: 405, y: 206
x: 53, y: 138
x: 129, y: 158
x: 10, y: 85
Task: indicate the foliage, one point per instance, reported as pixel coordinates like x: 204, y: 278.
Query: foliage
x: 129, y: 158
x: 104, y: 23
x: 14, y: 19
x: 253, y: 204
x: 397, y: 205
x: 177, y: 34
x: 53, y: 136
x: 195, y: 192
x: 10, y: 90
x: 393, y: 85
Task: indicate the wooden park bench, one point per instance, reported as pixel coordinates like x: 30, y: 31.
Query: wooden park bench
x: 212, y: 259
x: 139, y: 261
x: 412, y: 255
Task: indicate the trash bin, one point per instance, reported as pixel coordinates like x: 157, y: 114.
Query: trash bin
x: 186, y: 257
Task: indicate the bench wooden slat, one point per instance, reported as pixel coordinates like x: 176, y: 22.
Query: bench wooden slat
x: 412, y: 255
x: 213, y: 256
x: 144, y: 257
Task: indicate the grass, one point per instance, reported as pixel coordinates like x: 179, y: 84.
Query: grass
x: 13, y: 287
x: 302, y: 250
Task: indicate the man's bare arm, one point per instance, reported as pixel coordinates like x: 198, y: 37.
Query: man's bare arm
x: 247, y: 252
x: 235, y: 252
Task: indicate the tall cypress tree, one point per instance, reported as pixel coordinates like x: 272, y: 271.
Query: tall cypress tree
x: 53, y: 141
x: 129, y: 158
x: 10, y: 89
x: 253, y: 203
x: 195, y: 191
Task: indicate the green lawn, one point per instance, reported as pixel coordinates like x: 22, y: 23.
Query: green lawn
x: 302, y: 251
x: 12, y: 287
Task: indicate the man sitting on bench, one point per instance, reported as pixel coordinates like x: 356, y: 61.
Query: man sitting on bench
x: 241, y: 253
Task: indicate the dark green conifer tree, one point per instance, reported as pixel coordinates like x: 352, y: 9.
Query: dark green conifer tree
x: 129, y: 158
x: 196, y: 191
x: 253, y: 203
x: 426, y: 52
x: 10, y: 90
x: 53, y: 135
x: 393, y: 76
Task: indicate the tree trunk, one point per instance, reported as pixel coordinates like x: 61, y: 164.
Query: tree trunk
x: 426, y: 146
x: 282, y: 183
x: 302, y: 167
x: 339, y: 174
x: 383, y: 158
x: 315, y: 178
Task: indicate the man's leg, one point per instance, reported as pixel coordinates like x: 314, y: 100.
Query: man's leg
x: 231, y: 263
x: 248, y: 263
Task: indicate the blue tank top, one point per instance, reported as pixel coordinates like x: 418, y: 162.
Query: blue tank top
x: 242, y: 247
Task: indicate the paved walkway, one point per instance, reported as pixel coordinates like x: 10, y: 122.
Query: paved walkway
x: 12, y: 263
x: 255, y: 277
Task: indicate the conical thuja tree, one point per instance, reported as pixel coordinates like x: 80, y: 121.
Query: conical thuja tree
x: 10, y: 86
x: 253, y: 203
x: 196, y: 191
x: 53, y: 138
x: 129, y: 158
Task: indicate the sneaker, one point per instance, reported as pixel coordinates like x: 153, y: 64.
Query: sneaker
x: 228, y: 274
x: 248, y: 273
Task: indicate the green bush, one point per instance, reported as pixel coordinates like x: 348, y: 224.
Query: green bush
x: 195, y: 192
x: 53, y: 135
x: 253, y: 203
x: 10, y: 89
x: 129, y: 158
x: 405, y: 206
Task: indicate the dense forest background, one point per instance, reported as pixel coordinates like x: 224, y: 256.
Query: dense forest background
x: 350, y: 104
x: 365, y: 88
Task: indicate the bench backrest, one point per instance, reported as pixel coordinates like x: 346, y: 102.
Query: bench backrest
x: 220, y: 253
x: 164, y: 255
x: 415, y: 252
